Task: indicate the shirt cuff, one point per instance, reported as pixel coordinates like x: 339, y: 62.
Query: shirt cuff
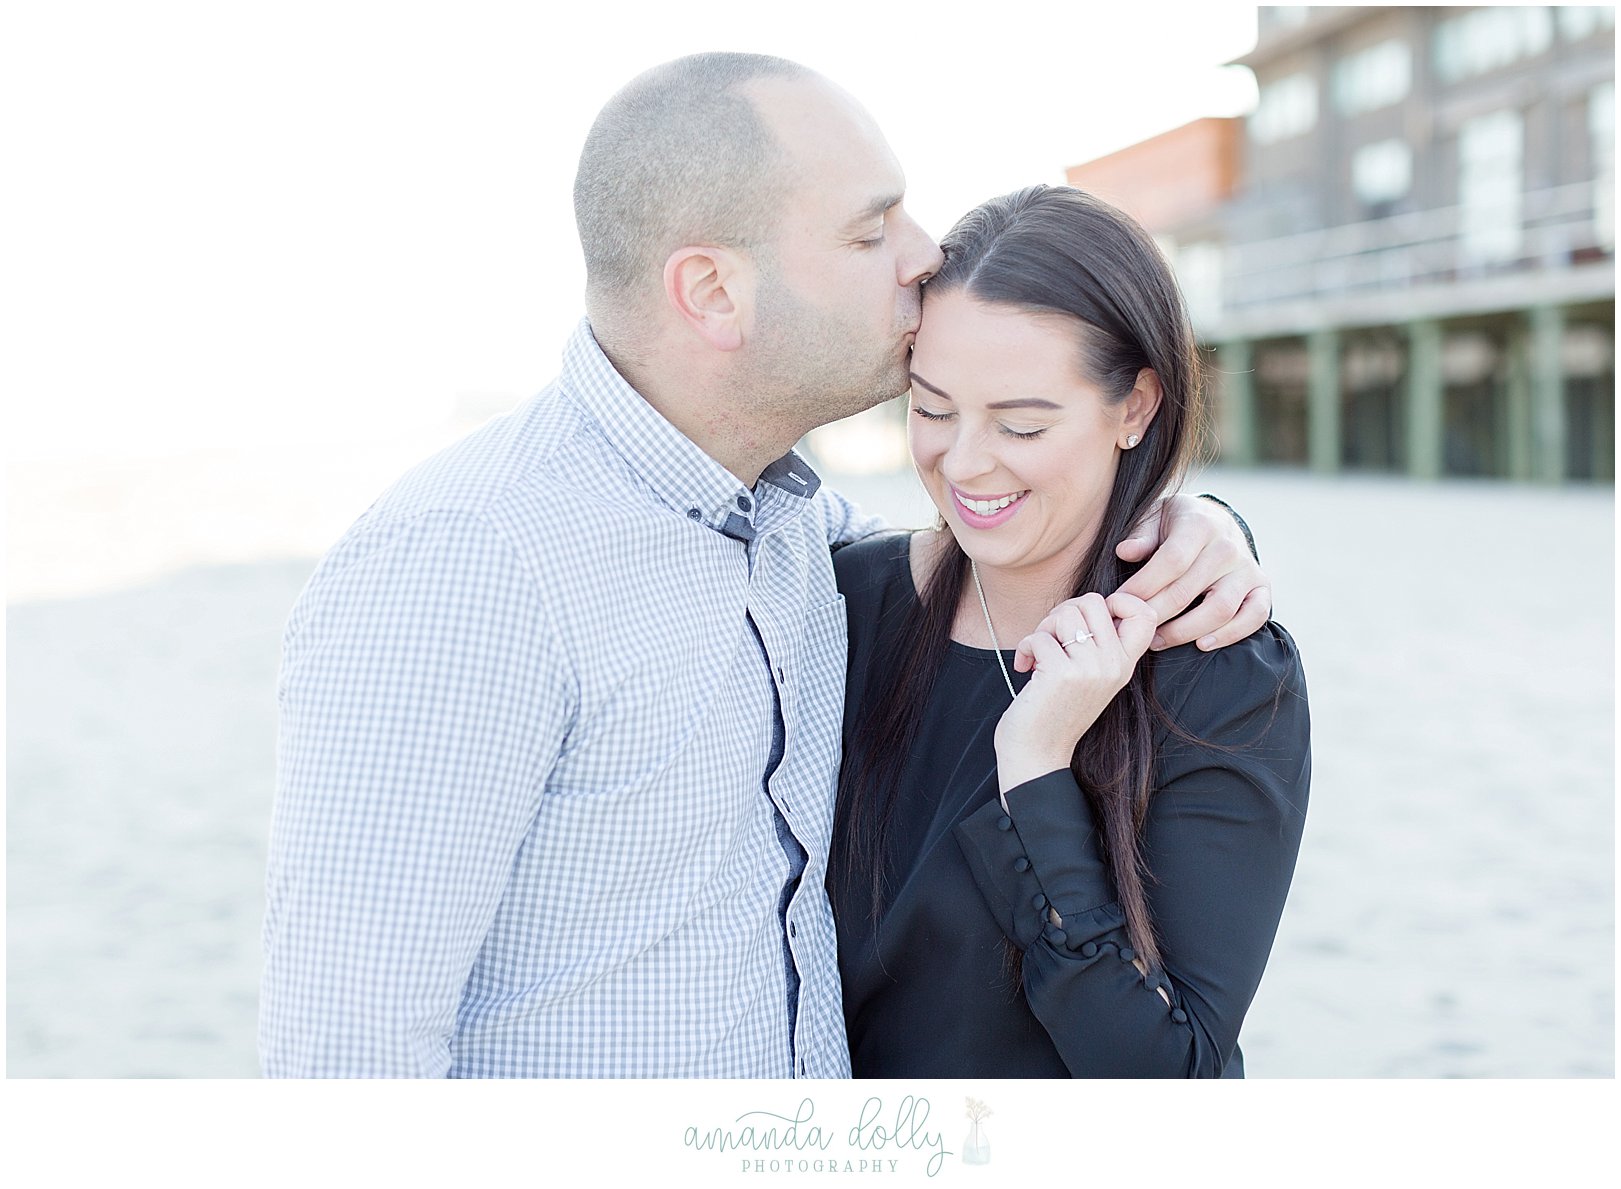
x: 1048, y: 858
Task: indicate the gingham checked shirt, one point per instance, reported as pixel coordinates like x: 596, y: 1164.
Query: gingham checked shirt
x: 560, y: 722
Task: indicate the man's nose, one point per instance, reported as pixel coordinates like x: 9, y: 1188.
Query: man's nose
x: 923, y: 259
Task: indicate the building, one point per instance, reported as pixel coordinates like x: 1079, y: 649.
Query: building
x: 1403, y: 258
x: 1177, y: 185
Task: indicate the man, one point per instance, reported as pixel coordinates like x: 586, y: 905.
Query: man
x: 560, y: 714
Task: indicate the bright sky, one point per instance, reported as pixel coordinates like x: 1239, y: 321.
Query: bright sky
x: 301, y: 223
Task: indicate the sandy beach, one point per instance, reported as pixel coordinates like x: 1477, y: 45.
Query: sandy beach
x: 1452, y: 915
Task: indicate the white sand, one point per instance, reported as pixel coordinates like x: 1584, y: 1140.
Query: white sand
x: 1452, y: 914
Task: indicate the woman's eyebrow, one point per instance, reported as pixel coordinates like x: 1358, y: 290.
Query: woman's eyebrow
x: 937, y: 391
x: 1023, y: 402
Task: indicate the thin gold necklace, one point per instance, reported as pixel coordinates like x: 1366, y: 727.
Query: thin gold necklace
x: 973, y: 568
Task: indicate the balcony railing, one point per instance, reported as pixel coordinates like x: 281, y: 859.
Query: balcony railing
x: 1551, y: 229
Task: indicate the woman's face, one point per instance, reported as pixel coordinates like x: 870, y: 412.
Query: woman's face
x: 1016, y: 447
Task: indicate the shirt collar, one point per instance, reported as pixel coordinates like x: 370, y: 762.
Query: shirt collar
x: 680, y: 474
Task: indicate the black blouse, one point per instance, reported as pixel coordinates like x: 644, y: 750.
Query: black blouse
x: 931, y: 985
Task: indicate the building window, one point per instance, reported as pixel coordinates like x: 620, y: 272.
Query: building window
x: 1287, y: 107
x: 1284, y: 16
x: 1601, y: 139
x: 1584, y: 20
x: 1382, y: 171
x: 1198, y: 271
x: 1373, y: 78
x: 1491, y: 149
x: 1485, y: 39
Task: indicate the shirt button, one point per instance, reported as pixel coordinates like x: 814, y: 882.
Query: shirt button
x: 1021, y: 864
x: 1089, y: 950
x: 1180, y: 1016
x: 694, y: 514
x: 1127, y: 954
x: 1038, y: 901
x: 1004, y: 822
x: 743, y: 504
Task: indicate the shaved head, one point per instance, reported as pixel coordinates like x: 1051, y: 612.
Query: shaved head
x: 680, y: 155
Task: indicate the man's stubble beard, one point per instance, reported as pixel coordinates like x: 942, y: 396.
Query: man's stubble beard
x: 805, y: 375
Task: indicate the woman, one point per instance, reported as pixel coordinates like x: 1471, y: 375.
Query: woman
x: 1069, y: 859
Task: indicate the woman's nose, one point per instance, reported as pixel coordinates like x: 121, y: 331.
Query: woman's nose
x: 965, y: 459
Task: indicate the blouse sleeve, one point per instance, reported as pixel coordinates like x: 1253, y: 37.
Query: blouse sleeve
x: 1223, y: 831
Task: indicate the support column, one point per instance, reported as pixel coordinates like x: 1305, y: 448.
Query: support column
x: 1547, y: 393
x: 1323, y: 400
x: 1517, y: 423
x: 1236, y: 363
x: 1424, y: 400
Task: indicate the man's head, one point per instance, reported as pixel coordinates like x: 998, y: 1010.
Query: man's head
x: 679, y: 155
x: 742, y: 225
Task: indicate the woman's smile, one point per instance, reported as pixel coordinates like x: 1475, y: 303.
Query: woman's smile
x: 979, y: 511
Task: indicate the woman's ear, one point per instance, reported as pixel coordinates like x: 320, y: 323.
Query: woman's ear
x: 706, y: 286
x: 1140, y: 406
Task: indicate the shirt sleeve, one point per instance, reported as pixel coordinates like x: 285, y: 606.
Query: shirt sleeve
x: 424, y: 697
x: 1223, y: 831
x: 845, y: 522
x: 1243, y: 525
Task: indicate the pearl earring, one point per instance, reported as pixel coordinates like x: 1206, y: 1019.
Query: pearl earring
x: 1131, y: 440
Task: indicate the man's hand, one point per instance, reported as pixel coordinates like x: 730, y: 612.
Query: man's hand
x: 1194, y: 547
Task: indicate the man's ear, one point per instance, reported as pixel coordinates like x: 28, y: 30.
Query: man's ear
x: 1141, y: 405
x: 707, y: 286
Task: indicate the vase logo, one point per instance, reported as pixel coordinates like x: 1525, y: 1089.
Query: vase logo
x: 976, y: 1149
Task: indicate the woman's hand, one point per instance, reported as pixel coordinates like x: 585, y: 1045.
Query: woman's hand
x: 1083, y: 654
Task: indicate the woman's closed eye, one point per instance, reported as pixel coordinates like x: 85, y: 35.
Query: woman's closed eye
x: 1023, y: 435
